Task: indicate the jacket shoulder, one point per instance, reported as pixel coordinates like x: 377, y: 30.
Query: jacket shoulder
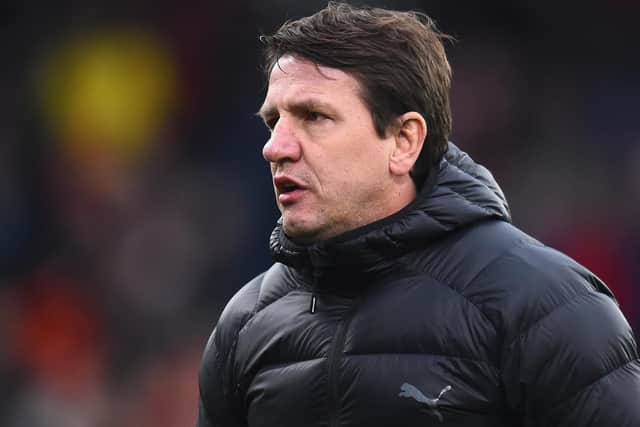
x: 250, y: 299
x: 561, y: 331
x: 527, y: 281
x: 501, y: 269
x: 216, y: 374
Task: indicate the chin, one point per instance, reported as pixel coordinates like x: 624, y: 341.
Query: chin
x: 299, y: 231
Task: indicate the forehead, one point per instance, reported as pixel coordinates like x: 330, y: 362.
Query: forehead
x: 292, y: 76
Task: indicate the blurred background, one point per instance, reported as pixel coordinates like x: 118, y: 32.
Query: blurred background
x: 135, y: 201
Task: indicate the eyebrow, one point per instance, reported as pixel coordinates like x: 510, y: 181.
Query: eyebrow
x: 267, y: 112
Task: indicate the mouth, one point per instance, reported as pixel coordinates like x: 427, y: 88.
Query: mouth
x: 288, y: 190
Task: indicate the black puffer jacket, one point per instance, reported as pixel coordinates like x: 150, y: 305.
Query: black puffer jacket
x: 443, y: 314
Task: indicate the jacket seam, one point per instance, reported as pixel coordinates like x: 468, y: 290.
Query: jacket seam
x: 466, y: 200
x: 254, y: 312
x: 220, y: 361
x: 464, y: 297
x: 272, y: 366
x: 478, y: 180
x: 444, y: 356
x: 576, y: 299
x: 445, y: 284
x: 479, y: 177
x: 231, y: 355
x: 462, y: 156
x: 521, y: 242
x: 574, y: 394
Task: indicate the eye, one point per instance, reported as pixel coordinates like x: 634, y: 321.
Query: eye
x: 314, y: 116
x: 271, y: 122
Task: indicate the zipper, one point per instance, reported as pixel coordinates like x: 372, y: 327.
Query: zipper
x: 332, y: 377
x: 313, y: 305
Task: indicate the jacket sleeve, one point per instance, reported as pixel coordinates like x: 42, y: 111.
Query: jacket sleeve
x: 219, y: 405
x: 577, y: 365
x: 214, y: 407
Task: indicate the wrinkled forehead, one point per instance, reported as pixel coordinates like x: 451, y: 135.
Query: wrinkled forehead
x: 297, y: 69
x: 292, y: 75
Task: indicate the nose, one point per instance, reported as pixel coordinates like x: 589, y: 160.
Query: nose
x: 283, y: 145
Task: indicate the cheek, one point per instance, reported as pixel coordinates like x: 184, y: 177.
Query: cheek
x: 356, y: 159
x: 368, y: 166
x: 353, y: 183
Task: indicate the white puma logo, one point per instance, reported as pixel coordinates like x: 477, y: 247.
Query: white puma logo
x: 408, y: 390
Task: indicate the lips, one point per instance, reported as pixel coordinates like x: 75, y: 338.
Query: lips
x: 288, y: 189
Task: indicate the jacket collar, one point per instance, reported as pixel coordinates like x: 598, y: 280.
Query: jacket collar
x: 458, y: 193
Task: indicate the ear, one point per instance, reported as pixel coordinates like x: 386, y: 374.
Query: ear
x: 409, y: 132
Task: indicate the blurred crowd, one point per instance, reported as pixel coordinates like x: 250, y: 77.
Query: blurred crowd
x: 135, y: 201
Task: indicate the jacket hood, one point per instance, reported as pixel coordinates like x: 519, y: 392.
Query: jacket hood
x: 457, y: 194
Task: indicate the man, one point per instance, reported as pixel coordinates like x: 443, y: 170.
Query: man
x: 401, y: 294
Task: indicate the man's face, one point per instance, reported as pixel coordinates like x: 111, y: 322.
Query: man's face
x: 330, y: 168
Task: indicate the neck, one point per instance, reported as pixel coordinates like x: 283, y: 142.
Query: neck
x: 403, y: 192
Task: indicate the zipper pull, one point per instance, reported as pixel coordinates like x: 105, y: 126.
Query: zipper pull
x: 312, y: 308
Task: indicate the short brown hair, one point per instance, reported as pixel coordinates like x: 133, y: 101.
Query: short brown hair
x: 398, y: 58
